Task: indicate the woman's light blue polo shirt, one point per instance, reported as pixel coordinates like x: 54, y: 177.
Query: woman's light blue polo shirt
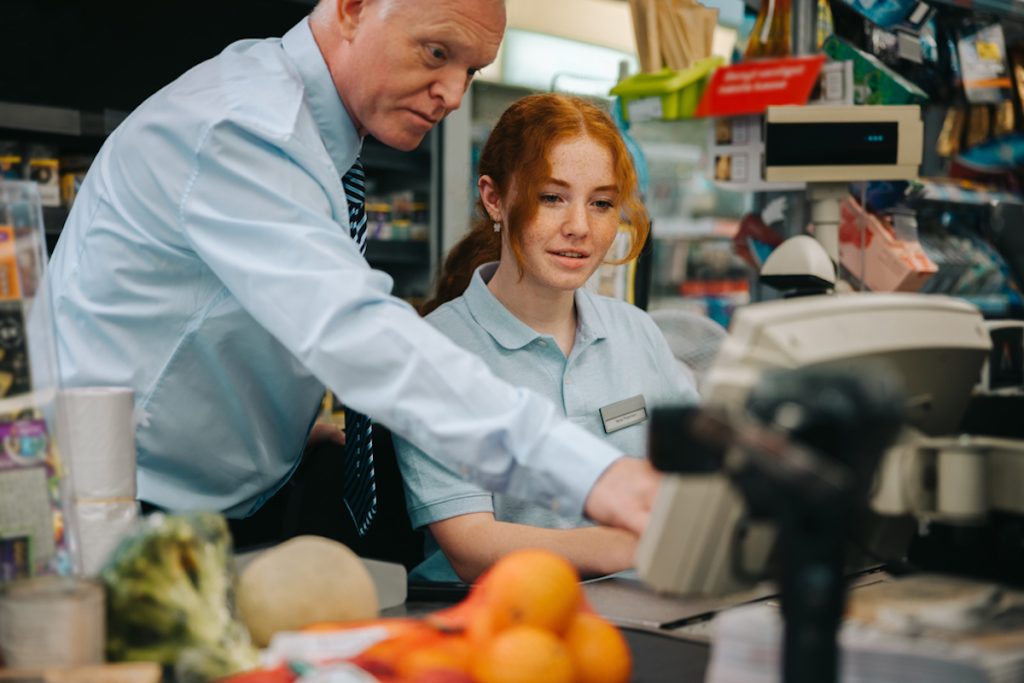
x: 619, y: 353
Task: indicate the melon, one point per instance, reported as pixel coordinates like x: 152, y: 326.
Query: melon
x: 302, y: 581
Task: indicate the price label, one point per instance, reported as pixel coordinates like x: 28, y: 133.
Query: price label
x: 645, y: 109
x: 989, y: 51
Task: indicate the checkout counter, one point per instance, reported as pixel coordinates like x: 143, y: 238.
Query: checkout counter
x: 667, y: 635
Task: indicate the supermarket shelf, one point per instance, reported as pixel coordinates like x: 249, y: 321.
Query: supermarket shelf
x: 17, y: 116
x: 398, y: 252
x: 58, y: 120
x: 1013, y: 9
x: 376, y: 155
x: 378, y: 252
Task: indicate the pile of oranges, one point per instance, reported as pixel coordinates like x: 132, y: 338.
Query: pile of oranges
x: 525, y: 621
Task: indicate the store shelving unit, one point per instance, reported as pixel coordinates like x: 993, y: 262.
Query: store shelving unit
x: 16, y: 116
x: 1013, y: 9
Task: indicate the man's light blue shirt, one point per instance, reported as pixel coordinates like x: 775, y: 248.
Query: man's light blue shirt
x: 619, y: 353
x: 207, y: 264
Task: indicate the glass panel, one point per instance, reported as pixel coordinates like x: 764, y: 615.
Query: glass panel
x: 695, y: 266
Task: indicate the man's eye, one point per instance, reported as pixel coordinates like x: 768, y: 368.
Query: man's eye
x: 437, y: 53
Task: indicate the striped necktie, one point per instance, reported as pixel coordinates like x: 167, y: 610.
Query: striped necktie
x: 360, y: 489
x: 354, y: 182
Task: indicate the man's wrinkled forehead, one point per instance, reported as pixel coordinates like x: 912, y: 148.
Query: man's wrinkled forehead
x: 475, y: 26
x: 487, y: 15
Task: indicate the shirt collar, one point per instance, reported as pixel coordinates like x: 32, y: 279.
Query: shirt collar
x: 336, y: 127
x: 590, y: 325
x: 510, y: 331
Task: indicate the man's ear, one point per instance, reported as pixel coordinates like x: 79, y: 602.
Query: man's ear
x: 349, y: 13
x: 489, y: 196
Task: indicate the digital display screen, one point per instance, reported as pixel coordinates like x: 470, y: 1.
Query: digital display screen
x: 831, y: 144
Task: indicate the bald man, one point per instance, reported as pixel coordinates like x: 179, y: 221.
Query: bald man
x: 209, y: 263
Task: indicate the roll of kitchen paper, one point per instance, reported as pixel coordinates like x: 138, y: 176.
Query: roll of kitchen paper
x: 97, y: 440
x: 51, y: 621
x: 100, y: 528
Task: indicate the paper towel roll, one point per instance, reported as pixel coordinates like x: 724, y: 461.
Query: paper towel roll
x: 100, y: 527
x: 52, y: 621
x: 97, y: 440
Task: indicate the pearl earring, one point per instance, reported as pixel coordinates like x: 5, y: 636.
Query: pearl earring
x: 497, y: 226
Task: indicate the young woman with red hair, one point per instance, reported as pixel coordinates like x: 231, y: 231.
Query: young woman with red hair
x: 556, y: 183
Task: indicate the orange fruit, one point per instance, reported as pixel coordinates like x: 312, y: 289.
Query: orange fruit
x: 453, y: 654
x: 531, y: 587
x: 440, y: 676
x: 457, y: 617
x: 598, y: 650
x: 524, y: 654
x: 383, y: 657
x: 482, y: 626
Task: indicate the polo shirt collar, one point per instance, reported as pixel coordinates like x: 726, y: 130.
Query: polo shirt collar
x: 506, y: 329
x: 336, y: 127
x: 590, y: 326
x: 511, y: 332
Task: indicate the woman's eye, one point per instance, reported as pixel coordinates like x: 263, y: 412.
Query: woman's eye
x: 604, y: 204
x: 548, y: 198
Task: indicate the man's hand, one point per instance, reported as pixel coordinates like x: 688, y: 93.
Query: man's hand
x: 622, y: 496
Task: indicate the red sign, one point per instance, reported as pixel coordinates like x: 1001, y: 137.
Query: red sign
x: 752, y: 87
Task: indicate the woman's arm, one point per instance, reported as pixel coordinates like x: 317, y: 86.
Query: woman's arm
x: 473, y: 542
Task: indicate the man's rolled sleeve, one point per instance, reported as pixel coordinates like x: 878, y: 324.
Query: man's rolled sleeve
x: 571, y: 455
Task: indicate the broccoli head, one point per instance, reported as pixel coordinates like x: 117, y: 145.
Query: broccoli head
x: 169, y: 591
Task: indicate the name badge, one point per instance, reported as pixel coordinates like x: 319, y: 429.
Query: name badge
x: 623, y: 413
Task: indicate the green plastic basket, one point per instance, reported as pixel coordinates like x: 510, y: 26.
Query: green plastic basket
x: 665, y: 94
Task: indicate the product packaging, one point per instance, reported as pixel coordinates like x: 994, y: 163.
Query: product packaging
x: 36, y: 529
x: 874, y: 82
x: 982, y: 53
x: 10, y: 160
x: 43, y: 168
x: 97, y: 431
x: 889, y: 13
x: 872, y: 250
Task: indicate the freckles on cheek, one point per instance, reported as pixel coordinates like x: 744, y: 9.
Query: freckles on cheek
x: 609, y: 235
x: 529, y: 239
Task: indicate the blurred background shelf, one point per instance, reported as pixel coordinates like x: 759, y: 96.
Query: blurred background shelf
x: 380, y: 253
x: 17, y: 116
x: 396, y: 252
x: 1012, y: 9
x: 375, y: 155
